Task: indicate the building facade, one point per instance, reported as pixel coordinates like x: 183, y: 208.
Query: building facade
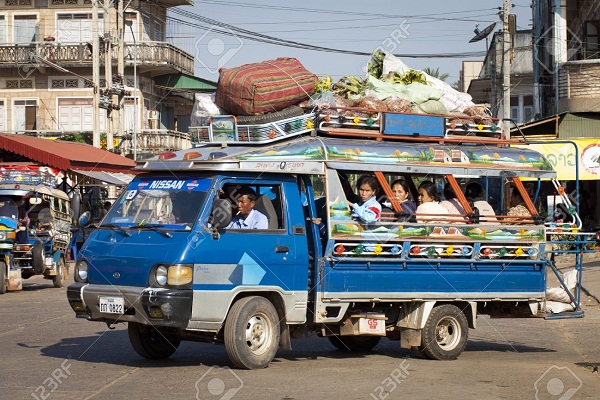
x: 46, y: 75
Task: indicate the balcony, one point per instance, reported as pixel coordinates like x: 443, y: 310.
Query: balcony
x: 149, y: 141
x: 159, y: 57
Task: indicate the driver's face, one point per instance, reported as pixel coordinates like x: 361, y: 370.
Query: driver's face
x: 244, y: 205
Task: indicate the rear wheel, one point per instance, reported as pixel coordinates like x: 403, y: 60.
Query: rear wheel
x: 60, y: 274
x: 252, y: 332
x: 445, y: 333
x: 354, y: 343
x: 150, y: 342
x: 3, y: 275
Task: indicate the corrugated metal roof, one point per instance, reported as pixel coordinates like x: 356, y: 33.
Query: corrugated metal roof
x: 579, y: 125
x: 65, y: 155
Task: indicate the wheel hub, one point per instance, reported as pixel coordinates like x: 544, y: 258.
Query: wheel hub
x: 256, y: 333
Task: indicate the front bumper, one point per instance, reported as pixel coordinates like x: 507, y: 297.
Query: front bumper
x: 147, y: 306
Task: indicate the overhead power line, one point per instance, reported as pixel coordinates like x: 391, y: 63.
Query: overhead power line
x: 222, y: 28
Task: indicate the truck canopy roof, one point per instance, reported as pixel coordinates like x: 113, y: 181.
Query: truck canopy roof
x: 309, y: 155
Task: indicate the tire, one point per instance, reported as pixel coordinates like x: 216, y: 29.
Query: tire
x: 60, y: 274
x: 445, y: 333
x: 37, y: 257
x: 354, y: 343
x: 152, y: 343
x: 252, y: 333
x: 3, y: 277
x: 289, y: 112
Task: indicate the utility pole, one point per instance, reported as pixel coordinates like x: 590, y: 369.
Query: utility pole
x: 96, y: 75
x: 121, y: 62
x: 108, y: 70
x: 506, y: 70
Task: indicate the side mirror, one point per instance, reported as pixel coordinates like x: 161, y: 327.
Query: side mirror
x: 221, y: 214
x: 35, y: 200
x: 84, y: 219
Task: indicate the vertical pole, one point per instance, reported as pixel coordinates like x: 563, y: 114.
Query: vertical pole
x: 96, y: 74
x: 121, y: 62
x: 135, y: 92
x: 506, y: 71
x: 108, y: 69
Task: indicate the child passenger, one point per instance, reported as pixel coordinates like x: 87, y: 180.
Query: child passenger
x: 368, y: 208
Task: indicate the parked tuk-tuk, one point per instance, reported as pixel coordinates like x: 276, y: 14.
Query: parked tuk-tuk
x: 36, y: 235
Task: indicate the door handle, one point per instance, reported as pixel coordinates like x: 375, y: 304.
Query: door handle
x: 282, y: 249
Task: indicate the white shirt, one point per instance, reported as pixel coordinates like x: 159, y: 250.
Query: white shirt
x: 254, y: 220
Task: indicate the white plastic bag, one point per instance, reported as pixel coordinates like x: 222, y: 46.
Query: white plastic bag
x: 559, y: 293
x: 204, y: 108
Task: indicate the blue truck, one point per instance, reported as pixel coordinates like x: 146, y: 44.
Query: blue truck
x: 422, y: 282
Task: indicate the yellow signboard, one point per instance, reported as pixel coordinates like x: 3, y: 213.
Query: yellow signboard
x: 563, y: 158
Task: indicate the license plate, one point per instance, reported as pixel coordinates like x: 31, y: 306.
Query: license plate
x: 111, y: 305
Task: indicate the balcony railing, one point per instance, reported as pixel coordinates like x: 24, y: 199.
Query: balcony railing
x: 154, y: 54
x: 153, y: 141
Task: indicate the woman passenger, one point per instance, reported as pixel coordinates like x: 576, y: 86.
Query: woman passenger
x: 428, y: 204
x: 401, y: 192
x: 455, y: 209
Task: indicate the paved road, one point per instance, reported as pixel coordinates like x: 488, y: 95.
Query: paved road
x: 48, y: 354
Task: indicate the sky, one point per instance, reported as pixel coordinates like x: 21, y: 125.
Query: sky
x: 430, y: 28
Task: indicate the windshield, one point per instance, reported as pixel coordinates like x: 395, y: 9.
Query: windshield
x: 8, y: 208
x: 173, y: 203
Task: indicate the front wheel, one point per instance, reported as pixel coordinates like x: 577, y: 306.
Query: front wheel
x: 445, y: 333
x: 252, y: 332
x: 60, y: 274
x: 152, y: 343
x: 354, y: 343
x: 3, y: 275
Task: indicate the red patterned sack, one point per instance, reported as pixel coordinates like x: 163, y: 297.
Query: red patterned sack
x: 268, y: 86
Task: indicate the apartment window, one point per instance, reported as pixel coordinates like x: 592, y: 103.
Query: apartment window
x: 25, y: 27
x: 76, y: 27
x: 2, y: 116
x: 24, y: 115
x: 158, y: 32
x: 77, y: 114
x: 146, y: 33
x: 592, y: 39
x: 3, y: 33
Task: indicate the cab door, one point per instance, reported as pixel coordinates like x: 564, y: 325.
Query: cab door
x: 254, y: 260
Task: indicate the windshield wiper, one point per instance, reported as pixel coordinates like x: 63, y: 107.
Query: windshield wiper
x: 117, y: 227
x: 154, y: 228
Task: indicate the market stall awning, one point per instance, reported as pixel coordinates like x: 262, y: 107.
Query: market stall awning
x: 64, y: 155
x: 109, y: 178
x: 185, y: 82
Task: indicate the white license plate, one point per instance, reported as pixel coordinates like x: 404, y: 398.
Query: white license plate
x: 112, y: 305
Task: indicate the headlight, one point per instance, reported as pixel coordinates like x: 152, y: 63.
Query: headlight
x: 180, y: 275
x: 2, y: 235
x: 161, y: 275
x: 81, y: 271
